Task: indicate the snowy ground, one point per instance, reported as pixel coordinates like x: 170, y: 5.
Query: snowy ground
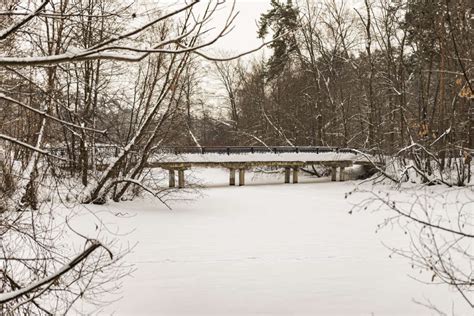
x: 271, y: 248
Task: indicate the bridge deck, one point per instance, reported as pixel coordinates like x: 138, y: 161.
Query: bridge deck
x: 251, y: 164
x: 242, y: 158
x: 256, y: 159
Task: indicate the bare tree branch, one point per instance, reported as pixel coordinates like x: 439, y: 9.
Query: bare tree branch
x: 7, y: 297
x: 5, y: 33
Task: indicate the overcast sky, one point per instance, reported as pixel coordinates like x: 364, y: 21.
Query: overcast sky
x: 244, y: 35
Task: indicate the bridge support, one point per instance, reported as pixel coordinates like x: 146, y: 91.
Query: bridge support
x: 287, y: 174
x: 333, y: 173
x: 341, y: 174
x: 295, y: 174
x: 241, y: 177
x: 172, y: 183
x: 181, y: 178
x: 232, y: 176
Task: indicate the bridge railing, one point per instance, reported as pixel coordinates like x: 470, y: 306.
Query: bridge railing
x: 252, y: 150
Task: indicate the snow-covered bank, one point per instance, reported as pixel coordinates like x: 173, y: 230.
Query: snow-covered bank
x: 267, y: 249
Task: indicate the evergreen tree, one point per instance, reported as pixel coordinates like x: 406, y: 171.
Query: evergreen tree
x: 282, y: 21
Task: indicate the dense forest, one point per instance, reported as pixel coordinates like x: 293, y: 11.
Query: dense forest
x: 382, y: 79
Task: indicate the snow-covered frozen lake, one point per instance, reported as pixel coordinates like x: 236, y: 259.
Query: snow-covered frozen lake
x: 271, y: 248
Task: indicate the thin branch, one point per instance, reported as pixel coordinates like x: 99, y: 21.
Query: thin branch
x: 212, y: 58
x: 94, y: 52
x: 5, y: 33
x: 420, y: 221
x: 46, y: 115
x: 7, y: 297
x: 28, y: 146
x: 141, y: 185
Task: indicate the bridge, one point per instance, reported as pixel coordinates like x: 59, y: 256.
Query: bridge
x: 239, y: 159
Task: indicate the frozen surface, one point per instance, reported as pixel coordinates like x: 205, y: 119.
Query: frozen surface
x: 273, y: 249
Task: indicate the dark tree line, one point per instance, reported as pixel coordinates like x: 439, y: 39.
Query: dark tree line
x: 389, y: 76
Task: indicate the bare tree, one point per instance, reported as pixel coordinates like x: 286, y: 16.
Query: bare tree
x: 439, y: 230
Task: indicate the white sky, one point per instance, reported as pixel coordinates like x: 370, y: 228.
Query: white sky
x: 244, y: 35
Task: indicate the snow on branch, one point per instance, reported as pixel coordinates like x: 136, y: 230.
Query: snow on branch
x: 10, y: 296
x: 106, y: 51
x: 141, y: 185
x: 6, y: 32
x: 48, y: 116
x: 101, y: 50
x: 28, y: 146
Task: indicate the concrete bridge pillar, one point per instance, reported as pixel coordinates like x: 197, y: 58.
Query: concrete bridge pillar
x: 232, y: 176
x: 333, y: 173
x: 287, y: 174
x: 241, y: 177
x: 295, y: 174
x: 341, y: 174
x: 181, y: 178
x: 172, y: 182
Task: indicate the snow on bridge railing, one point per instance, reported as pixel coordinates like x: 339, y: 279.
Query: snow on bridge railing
x: 253, y: 150
x: 100, y: 155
